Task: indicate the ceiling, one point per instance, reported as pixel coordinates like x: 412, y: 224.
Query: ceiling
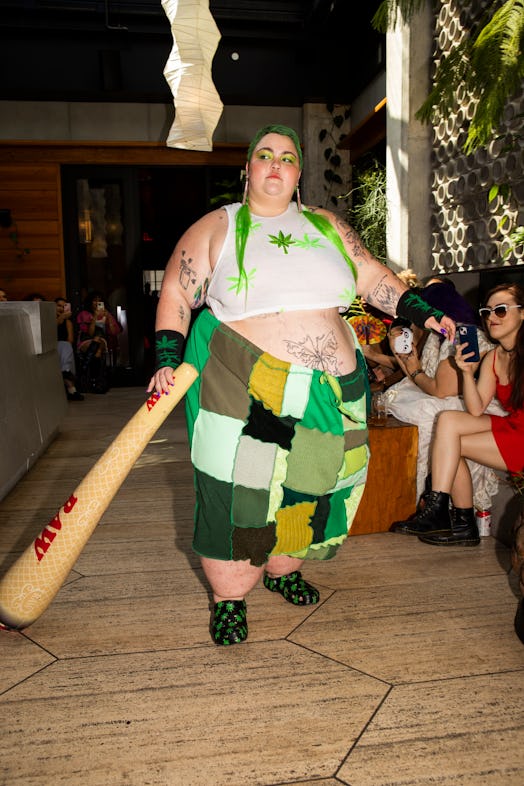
x: 289, y: 51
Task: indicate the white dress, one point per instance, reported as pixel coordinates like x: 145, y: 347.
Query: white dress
x: 408, y: 403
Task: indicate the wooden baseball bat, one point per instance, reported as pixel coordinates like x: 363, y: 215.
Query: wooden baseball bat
x: 34, y: 579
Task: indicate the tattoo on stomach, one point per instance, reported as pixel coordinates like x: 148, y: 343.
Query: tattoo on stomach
x: 316, y: 353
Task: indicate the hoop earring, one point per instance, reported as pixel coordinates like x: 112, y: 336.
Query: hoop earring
x: 299, y: 203
x: 244, y: 197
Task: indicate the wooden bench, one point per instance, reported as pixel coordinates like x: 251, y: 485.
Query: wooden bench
x: 391, y: 488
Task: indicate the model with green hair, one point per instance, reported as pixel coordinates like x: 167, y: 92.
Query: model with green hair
x: 277, y: 417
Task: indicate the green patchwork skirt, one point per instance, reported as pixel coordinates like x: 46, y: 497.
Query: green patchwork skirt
x: 280, y: 451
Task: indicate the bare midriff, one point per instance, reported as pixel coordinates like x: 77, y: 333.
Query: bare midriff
x: 316, y: 339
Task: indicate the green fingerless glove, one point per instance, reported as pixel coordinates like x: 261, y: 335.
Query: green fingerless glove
x: 169, y: 348
x: 415, y: 309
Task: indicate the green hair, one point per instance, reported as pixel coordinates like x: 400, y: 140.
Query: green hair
x: 276, y: 129
x: 243, y: 216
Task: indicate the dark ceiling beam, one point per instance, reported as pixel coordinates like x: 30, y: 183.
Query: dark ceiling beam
x: 265, y: 11
x: 290, y: 51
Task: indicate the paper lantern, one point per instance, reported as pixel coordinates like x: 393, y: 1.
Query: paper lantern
x: 188, y: 72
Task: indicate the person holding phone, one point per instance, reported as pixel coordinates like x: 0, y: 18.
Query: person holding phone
x: 432, y: 382
x: 467, y: 335
x: 65, y: 340
x: 97, y: 330
x: 493, y: 440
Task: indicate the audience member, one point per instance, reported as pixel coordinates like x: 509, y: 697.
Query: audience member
x: 97, y: 332
x: 371, y: 325
x: 432, y: 383
x: 410, y: 278
x: 3, y: 296
x: 496, y: 441
x: 66, y: 354
x: 379, y: 357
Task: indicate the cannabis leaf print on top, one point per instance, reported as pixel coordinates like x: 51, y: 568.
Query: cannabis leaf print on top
x: 347, y: 295
x: 241, y: 282
x: 282, y: 241
x: 285, y: 241
x: 309, y: 242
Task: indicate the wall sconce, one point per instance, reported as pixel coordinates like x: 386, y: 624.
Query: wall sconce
x: 85, y: 228
x: 98, y: 248
x: 83, y: 198
x: 188, y: 72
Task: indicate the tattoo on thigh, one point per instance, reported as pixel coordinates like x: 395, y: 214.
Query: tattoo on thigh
x: 317, y: 353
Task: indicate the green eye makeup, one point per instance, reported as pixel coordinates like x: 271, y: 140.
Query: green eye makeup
x: 264, y: 154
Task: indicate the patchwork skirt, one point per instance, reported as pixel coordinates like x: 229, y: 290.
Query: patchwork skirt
x: 280, y: 451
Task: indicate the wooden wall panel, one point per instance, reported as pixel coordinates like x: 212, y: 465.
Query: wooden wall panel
x: 26, y: 177
x: 38, y: 263
x: 32, y: 193
x: 30, y: 187
x: 31, y: 204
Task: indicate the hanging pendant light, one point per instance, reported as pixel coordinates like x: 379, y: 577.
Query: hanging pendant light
x: 188, y: 72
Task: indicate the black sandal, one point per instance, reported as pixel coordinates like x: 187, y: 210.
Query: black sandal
x: 293, y: 588
x: 229, y: 622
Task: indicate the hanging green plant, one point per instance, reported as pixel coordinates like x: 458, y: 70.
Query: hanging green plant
x: 331, y: 138
x: 488, y: 63
x: 515, y: 236
x: 367, y: 211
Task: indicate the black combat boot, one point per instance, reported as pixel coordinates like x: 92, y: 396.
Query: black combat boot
x: 403, y: 526
x: 432, y: 516
x: 464, y: 531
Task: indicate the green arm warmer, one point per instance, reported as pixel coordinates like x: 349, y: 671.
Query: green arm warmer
x: 169, y: 348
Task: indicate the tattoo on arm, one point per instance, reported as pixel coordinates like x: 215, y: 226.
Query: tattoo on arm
x: 187, y: 274
x: 200, y: 294
x: 352, y: 240
x: 384, y: 296
x: 317, y: 353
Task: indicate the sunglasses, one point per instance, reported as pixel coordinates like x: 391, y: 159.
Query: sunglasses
x: 500, y: 311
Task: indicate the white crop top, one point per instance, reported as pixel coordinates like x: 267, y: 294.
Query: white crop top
x: 289, y: 264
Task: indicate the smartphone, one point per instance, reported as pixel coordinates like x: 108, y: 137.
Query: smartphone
x: 101, y: 306
x: 467, y: 334
x: 403, y: 343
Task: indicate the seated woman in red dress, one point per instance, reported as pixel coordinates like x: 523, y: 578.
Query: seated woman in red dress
x: 493, y: 440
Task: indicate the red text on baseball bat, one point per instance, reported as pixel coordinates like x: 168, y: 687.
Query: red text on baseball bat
x: 47, y: 536
x: 151, y: 401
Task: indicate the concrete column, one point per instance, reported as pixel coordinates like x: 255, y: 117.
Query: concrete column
x: 408, y: 157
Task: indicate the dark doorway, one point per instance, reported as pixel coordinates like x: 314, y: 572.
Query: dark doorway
x: 121, y: 224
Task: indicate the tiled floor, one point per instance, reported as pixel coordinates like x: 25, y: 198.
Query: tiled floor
x: 407, y: 672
